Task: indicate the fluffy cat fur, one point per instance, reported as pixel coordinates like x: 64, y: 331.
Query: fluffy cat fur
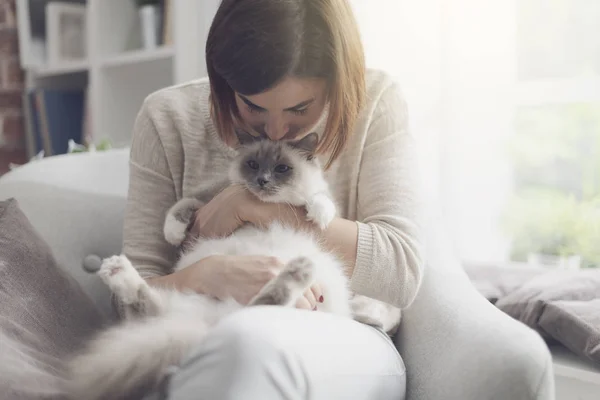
x: 133, y: 357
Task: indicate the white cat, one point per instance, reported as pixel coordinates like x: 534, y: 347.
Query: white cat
x: 163, y: 325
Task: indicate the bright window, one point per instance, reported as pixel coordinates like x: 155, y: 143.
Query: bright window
x: 505, y: 98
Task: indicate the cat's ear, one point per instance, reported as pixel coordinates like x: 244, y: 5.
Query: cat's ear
x: 244, y: 138
x: 308, y: 144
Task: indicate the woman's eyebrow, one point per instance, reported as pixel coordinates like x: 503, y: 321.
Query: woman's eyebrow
x: 250, y: 104
x: 296, y: 107
x: 300, y: 105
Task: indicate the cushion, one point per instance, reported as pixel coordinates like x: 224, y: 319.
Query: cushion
x: 44, y: 314
x: 575, y: 324
x: 528, y: 302
x: 495, y: 282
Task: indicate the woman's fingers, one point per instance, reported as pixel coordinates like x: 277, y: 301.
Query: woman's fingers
x: 310, y: 297
x: 317, y: 293
x: 303, y: 303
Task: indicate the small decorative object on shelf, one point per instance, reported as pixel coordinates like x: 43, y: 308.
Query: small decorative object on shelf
x: 66, y: 32
x: 91, y: 148
x: 150, y: 15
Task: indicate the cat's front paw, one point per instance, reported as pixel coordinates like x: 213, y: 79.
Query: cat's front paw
x: 174, y: 230
x: 178, y: 218
x: 299, y: 271
x: 284, y: 290
x: 121, y: 277
x: 321, y: 211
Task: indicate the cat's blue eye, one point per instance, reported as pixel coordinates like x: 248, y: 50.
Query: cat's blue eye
x: 282, y: 168
x: 252, y: 164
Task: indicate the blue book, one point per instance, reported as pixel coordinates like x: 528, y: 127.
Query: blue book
x: 60, y: 115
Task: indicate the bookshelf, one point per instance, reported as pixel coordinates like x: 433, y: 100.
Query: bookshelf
x: 117, y: 72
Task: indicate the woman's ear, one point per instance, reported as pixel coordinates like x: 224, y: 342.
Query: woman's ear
x: 308, y: 144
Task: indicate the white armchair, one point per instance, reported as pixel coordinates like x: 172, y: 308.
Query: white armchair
x: 454, y: 343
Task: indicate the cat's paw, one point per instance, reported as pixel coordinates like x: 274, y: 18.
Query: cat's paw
x: 288, y: 286
x: 321, y: 211
x: 174, y: 230
x: 179, y: 218
x: 273, y: 295
x: 299, y: 271
x: 121, y: 277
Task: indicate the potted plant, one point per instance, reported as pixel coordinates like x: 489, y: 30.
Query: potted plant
x: 150, y: 22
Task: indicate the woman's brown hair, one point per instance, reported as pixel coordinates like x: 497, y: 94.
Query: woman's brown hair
x: 253, y: 44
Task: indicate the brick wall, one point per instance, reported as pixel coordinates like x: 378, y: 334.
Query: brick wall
x: 12, y: 137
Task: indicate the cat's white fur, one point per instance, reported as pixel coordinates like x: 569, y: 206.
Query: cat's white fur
x: 165, y: 324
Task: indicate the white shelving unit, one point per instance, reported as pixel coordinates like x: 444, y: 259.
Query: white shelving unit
x: 118, y: 73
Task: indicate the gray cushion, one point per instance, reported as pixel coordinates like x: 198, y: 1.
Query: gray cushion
x: 575, y: 324
x: 495, y: 282
x: 528, y: 301
x: 43, y: 311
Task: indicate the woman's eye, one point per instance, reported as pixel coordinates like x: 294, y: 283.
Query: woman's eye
x: 280, y: 169
x: 300, y: 112
x: 252, y: 164
x: 252, y: 109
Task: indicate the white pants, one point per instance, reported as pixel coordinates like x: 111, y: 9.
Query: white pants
x: 284, y: 353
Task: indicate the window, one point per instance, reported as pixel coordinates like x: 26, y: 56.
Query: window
x: 505, y: 99
x: 553, y: 215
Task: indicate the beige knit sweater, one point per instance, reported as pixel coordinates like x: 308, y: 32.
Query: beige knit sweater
x: 175, y: 149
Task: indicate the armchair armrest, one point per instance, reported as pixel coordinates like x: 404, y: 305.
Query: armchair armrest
x: 457, y: 345
x: 76, y: 202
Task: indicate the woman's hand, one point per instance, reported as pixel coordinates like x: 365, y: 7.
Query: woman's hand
x: 247, y: 275
x: 235, y: 206
x: 240, y: 277
x: 221, y: 216
x: 223, y: 277
x: 311, y: 299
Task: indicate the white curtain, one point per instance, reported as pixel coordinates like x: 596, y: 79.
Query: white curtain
x: 461, y: 65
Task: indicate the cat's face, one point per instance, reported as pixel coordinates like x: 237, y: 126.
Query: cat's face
x: 269, y: 169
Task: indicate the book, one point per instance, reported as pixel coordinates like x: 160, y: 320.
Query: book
x: 35, y: 143
x: 31, y: 141
x: 54, y: 117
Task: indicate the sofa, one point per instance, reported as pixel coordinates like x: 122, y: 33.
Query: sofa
x: 455, y: 344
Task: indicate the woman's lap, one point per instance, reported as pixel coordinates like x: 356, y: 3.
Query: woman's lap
x: 282, y: 353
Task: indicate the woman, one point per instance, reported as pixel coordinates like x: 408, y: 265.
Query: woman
x: 282, y: 69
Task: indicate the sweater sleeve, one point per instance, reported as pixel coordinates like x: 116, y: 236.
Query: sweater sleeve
x: 389, y: 263
x: 151, y: 193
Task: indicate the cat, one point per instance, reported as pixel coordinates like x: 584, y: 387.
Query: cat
x: 132, y: 357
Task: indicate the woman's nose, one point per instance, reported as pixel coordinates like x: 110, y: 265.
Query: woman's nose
x: 276, y: 129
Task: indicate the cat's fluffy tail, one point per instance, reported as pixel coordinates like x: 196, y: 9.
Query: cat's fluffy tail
x: 129, y: 360
x: 26, y: 371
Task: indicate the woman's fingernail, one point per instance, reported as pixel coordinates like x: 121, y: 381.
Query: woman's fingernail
x: 321, y: 299
x: 315, y: 309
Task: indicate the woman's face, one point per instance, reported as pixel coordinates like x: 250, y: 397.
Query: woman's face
x: 286, y: 111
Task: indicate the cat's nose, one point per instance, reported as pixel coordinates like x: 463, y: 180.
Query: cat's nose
x: 262, y: 181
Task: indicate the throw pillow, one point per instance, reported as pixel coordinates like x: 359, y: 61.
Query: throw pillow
x: 575, y: 324
x: 44, y: 314
x: 528, y: 302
